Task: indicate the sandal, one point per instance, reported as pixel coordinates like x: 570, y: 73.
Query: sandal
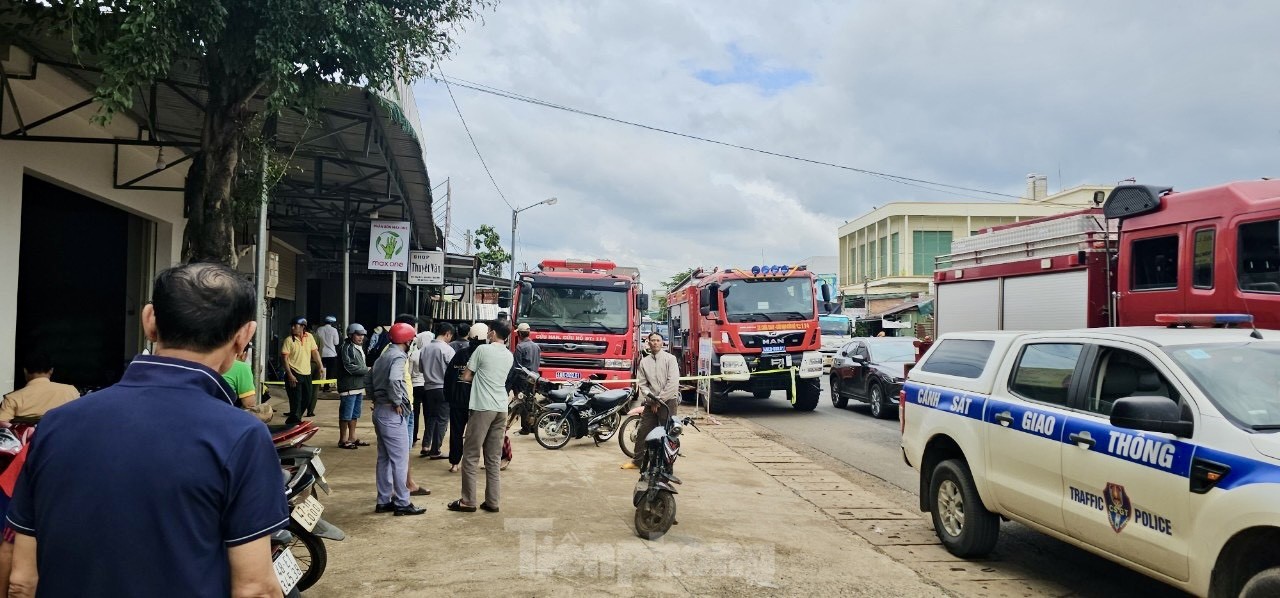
x: 347, y: 445
x: 485, y: 506
x: 459, y: 507
x: 420, y: 492
x: 360, y: 443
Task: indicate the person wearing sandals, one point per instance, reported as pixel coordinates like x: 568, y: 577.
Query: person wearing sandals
x: 351, y: 371
x: 487, y: 371
x: 391, y: 410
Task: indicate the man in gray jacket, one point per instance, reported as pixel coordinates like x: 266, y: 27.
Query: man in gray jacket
x: 391, y: 411
x: 434, y: 360
x: 658, y: 382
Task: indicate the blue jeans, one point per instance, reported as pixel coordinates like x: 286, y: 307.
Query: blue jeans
x: 349, y: 407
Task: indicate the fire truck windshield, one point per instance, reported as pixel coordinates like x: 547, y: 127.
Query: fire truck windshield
x: 570, y: 309
x: 768, y: 300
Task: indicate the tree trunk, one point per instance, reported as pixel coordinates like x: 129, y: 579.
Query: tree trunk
x: 208, y: 236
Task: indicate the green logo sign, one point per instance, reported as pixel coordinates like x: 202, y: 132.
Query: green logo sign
x: 389, y: 243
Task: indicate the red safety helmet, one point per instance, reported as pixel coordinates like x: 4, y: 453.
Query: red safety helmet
x: 402, y: 333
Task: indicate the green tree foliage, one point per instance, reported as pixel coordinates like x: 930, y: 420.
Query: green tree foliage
x: 254, y: 55
x: 489, y: 250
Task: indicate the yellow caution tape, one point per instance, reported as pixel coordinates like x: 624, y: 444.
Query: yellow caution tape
x: 313, y: 382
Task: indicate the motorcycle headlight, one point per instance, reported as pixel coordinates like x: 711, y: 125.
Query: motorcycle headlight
x: 675, y: 431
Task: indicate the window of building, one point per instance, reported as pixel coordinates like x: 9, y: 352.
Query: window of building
x: 871, y: 260
x: 1259, y: 267
x: 862, y: 263
x: 925, y: 246
x: 895, y: 255
x: 1155, y: 264
x: 1202, y: 262
x: 964, y: 358
x: 1044, y: 372
x: 884, y: 258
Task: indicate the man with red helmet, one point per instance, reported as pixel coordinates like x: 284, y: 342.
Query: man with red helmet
x: 391, y: 410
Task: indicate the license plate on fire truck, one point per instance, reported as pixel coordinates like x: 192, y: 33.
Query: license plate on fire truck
x: 569, y: 375
x: 307, y: 513
x: 288, y: 572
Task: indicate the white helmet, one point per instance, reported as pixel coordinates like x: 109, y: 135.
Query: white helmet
x: 479, y: 330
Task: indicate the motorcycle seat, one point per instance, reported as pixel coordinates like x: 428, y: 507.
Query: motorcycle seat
x: 560, y: 395
x: 610, y: 398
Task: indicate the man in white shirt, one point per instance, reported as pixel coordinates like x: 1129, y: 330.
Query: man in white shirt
x: 328, y: 339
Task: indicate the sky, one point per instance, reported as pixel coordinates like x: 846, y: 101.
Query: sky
x: 971, y: 94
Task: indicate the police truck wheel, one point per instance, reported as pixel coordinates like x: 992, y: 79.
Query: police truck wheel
x: 840, y: 401
x: 1265, y: 583
x: 879, y: 408
x: 807, y: 394
x: 967, y: 529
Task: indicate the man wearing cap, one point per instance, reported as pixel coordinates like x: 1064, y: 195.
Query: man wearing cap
x: 327, y: 338
x: 300, y: 352
x: 351, y: 373
x: 528, y: 355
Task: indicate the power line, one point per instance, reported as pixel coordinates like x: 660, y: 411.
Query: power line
x: 473, y: 139
x: 905, y: 180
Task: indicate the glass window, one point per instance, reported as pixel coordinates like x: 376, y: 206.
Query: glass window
x: 788, y: 299
x: 964, y: 358
x: 925, y: 246
x: 570, y: 309
x: 884, y: 257
x: 886, y: 350
x: 1044, y: 372
x: 1259, y: 268
x: 1202, y: 261
x: 895, y: 256
x: 1121, y: 374
x: 1242, y: 379
x: 1155, y: 263
x: 871, y: 260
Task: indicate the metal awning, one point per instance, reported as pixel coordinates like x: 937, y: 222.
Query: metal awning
x: 359, y: 155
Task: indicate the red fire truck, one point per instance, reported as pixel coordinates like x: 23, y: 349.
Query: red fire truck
x: 736, y: 323
x: 1148, y: 250
x: 584, y: 315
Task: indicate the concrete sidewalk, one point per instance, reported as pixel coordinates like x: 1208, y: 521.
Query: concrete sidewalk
x: 751, y: 516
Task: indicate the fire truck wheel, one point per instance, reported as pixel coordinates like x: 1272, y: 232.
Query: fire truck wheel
x: 807, y: 394
x: 761, y: 393
x: 719, y: 399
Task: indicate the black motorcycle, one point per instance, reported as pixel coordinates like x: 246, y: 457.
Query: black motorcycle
x: 654, y: 496
x: 587, y: 410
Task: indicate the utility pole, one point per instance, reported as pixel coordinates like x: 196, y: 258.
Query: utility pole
x: 448, y: 214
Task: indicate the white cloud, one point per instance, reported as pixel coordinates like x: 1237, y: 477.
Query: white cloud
x: 973, y: 94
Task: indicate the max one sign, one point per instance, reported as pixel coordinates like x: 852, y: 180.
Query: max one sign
x: 426, y: 267
x: 389, y: 246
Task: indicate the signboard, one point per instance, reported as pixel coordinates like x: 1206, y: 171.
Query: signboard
x: 426, y: 267
x: 389, y: 246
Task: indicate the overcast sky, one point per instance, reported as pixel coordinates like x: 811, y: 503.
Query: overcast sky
x: 975, y: 94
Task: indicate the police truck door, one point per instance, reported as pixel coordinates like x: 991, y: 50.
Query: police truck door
x: 1127, y: 491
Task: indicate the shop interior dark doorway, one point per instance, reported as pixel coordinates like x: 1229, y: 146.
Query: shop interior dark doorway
x: 80, y: 284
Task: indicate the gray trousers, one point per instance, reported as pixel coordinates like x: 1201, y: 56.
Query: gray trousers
x: 485, y: 430
x: 393, y: 455
x: 437, y: 421
x: 650, y: 420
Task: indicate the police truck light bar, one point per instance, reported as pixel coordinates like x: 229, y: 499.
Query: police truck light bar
x: 1190, y: 320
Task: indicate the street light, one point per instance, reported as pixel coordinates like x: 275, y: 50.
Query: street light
x: 551, y: 201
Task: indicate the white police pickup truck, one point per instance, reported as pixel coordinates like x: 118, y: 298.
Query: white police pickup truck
x: 1158, y: 448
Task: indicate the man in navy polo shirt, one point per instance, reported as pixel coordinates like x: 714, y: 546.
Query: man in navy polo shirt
x: 159, y: 485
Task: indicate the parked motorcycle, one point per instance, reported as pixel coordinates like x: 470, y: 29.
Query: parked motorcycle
x: 589, y: 409
x: 530, y: 392
x: 303, y: 472
x: 654, y: 495
x: 629, y: 431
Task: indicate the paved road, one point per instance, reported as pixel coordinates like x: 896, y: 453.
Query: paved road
x: 872, y: 446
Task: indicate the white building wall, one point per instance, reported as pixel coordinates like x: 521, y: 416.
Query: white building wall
x: 84, y: 168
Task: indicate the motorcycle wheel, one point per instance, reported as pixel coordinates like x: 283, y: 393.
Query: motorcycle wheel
x: 312, y: 556
x: 628, y: 431
x: 608, y: 427
x: 654, y: 516
x: 552, y: 430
